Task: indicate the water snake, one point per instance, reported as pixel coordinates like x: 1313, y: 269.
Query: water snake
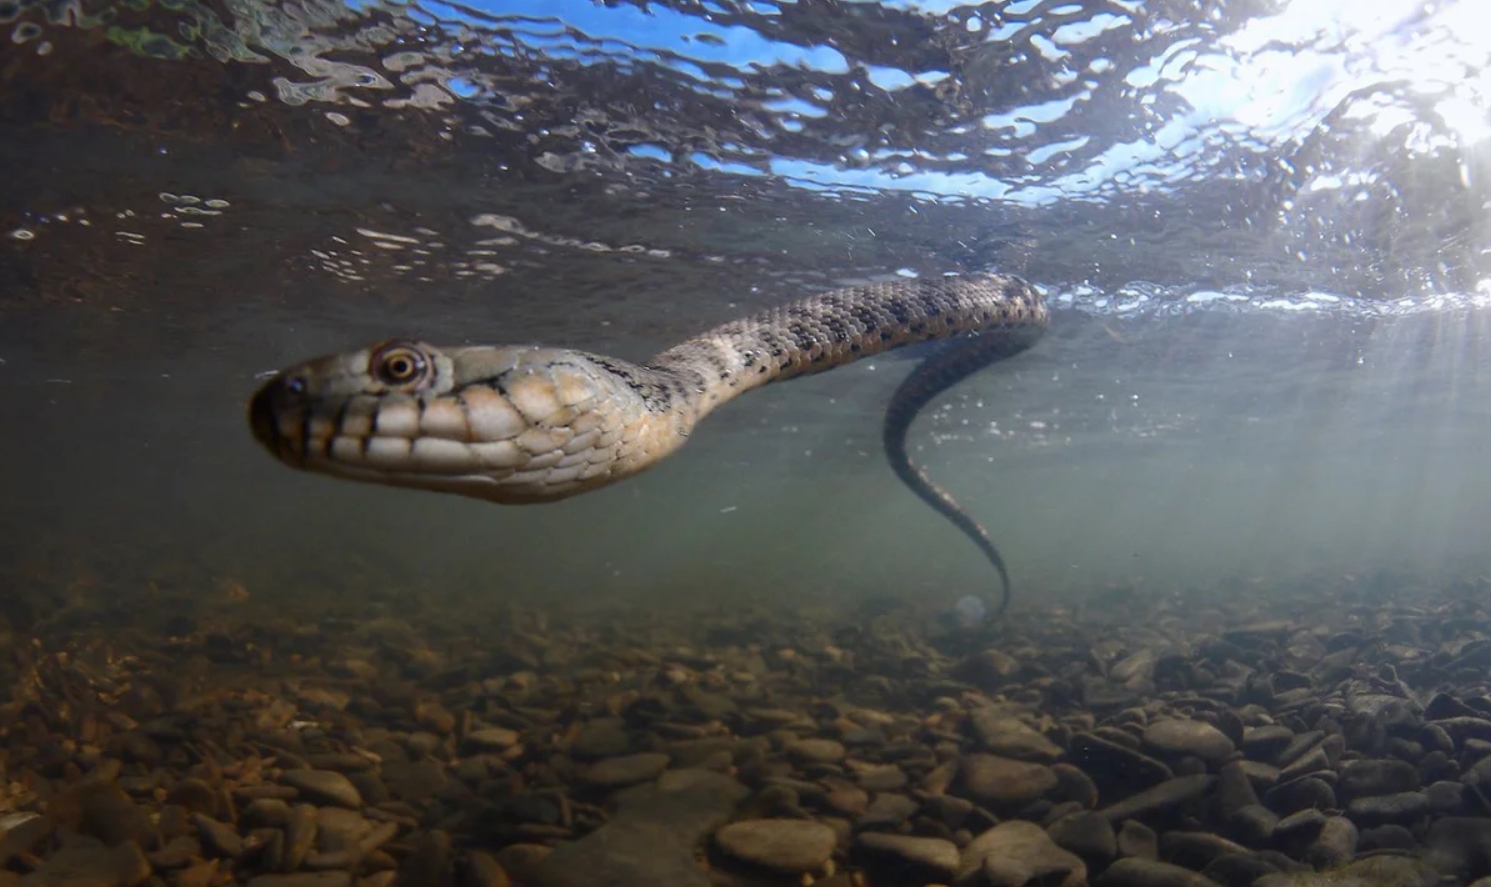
x: 525, y: 424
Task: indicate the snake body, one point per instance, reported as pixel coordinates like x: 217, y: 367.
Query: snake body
x: 526, y: 424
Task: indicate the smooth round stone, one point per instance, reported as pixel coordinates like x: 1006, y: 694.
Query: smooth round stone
x: 815, y: 751
x: 1088, y: 834
x: 933, y: 856
x: 784, y: 845
x: 324, y: 786
x: 626, y: 770
x: 1135, y: 872
x: 1004, y: 782
x: 1172, y: 793
x: 1368, y: 778
x: 492, y: 739
x: 1264, y: 743
x: 1176, y: 736
x: 1400, y: 808
x: 1012, y: 738
x: 1016, y: 853
x: 602, y: 738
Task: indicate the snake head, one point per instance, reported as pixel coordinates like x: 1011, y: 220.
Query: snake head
x: 303, y: 408
x: 508, y: 424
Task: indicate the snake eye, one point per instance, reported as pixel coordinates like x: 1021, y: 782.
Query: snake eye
x: 398, y: 364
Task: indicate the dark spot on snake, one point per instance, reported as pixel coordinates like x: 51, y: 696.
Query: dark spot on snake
x: 899, y: 310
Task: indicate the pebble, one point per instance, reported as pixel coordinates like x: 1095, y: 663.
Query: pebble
x: 1004, y: 782
x: 1170, y: 794
x: 1365, y: 778
x: 626, y: 770
x: 1088, y: 834
x: 324, y: 787
x: 490, y: 739
x: 1151, y: 873
x: 783, y: 845
x: 1010, y: 737
x: 649, y: 839
x: 1174, y: 736
x: 815, y: 751
x: 1016, y: 853
x: 602, y: 738
x: 933, y: 858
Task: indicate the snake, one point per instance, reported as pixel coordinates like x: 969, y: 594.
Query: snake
x: 526, y: 424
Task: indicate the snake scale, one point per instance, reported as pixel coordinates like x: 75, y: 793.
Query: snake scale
x: 525, y: 424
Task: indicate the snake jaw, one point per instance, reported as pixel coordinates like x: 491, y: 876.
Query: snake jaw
x: 300, y: 410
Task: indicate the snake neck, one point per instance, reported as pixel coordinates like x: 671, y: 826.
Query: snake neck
x: 839, y: 327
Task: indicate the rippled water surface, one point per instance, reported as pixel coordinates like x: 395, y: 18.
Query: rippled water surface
x: 1262, y: 225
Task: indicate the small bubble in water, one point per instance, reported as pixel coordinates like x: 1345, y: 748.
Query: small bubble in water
x: 338, y: 119
x: 22, y: 234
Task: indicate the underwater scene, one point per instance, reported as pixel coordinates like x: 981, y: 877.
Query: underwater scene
x: 745, y: 443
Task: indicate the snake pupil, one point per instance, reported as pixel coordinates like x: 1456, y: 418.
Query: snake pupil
x: 399, y: 366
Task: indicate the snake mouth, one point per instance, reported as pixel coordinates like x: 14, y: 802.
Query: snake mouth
x: 270, y: 403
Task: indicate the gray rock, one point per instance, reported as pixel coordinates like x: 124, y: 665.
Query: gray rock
x: 1117, y: 769
x: 1368, y: 778
x: 1174, y: 793
x: 324, y: 787
x: 339, y: 830
x: 1254, y: 824
x: 300, y: 837
x: 489, y: 739
x: 1378, y: 871
x: 933, y: 858
x: 888, y: 810
x: 1138, y: 840
x: 1010, y: 737
x: 649, y: 840
x: 1238, y: 869
x: 1016, y: 853
x: 1335, y: 845
x: 1234, y: 789
x: 1459, y: 846
x: 1291, y: 797
x: 602, y: 738
x: 1265, y: 743
x: 792, y: 846
x: 1132, y: 872
x: 218, y: 837
x: 1403, y: 807
x: 1003, y: 782
x: 815, y: 751
x: 482, y: 870
x: 1088, y: 834
x: 84, y: 862
x: 1196, y: 850
x: 888, y: 778
x: 1175, y: 736
x: 414, y: 781
x: 626, y: 770
x: 1446, y: 798
x: 303, y: 879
